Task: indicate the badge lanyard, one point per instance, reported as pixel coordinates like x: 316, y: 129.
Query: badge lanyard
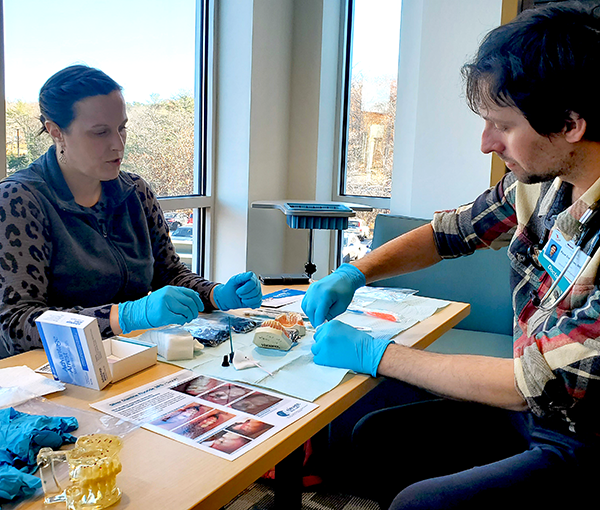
x: 566, y: 261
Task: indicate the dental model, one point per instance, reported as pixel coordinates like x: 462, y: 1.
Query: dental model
x: 272, y: 335
x: 93, y: 467
x: 292, y: 320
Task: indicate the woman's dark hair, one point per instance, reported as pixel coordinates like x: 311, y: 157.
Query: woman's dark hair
x: 62, y: 90
x: 546, y: 63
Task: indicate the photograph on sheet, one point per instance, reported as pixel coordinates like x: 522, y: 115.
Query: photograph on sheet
x: 198, y: 385
x: 182, y: 415
x: 217, y: 416
x: 200, y: 426
x: 226, y: 394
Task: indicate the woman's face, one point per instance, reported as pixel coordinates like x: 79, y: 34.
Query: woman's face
x: 94, y: 143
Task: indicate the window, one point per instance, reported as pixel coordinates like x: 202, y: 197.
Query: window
x: 158, y: 53
x: 371, y: 71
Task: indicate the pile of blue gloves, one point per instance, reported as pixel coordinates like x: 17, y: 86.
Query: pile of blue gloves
x: 178, y: 305
x: 21, y: 438
x: 337, y: 344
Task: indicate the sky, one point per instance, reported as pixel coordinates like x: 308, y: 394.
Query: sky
x: 147, y: 46
x: 376, y: 44
x: 376, y: 37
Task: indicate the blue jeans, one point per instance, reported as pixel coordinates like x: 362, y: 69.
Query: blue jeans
x: 443, y: 454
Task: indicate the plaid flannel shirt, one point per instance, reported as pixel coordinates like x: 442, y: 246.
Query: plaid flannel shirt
x: 556, y: 353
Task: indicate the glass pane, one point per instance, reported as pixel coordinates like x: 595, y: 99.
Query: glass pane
x: 182, y: 230
x: 23, y: 144
x: 372, y: 101
x: 357, y: 238
x: 147, y: 46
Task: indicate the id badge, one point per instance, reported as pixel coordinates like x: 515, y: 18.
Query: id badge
x: 555, y: 257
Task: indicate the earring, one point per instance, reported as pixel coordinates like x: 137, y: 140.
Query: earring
x: 61, y: 155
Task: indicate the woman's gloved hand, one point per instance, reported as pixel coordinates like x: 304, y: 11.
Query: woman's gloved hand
x: 241, y: 291
x: 169, y: 305
x: 339, y: 345
x: 330, y: 296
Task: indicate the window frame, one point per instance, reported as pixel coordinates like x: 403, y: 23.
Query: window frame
x: 200, y: 201
x: 347, y: 41
x: 347, y: 35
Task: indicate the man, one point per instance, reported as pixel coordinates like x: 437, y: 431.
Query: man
x: 534, y: 82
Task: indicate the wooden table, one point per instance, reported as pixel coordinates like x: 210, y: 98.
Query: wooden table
x: 159, y: 473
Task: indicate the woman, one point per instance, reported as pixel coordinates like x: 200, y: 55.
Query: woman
x: 79, y: 235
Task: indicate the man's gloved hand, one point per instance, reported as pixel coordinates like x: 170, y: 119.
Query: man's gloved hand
x: 169, y: 305
x: 241, y: 291
x: 330, y: 296
x: 342, y: 346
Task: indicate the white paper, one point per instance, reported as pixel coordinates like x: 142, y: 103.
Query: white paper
x: 289, y: 367
x: 282, y: 297
x: 18, y: 384
x: 219, y: 417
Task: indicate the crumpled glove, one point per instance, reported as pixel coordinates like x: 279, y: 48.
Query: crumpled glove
x: 330, y: 296
x: 169, y: 305
x: 21, y: 438
x: 16, y: 484
x: 339, y: 345
x: 241, y: 291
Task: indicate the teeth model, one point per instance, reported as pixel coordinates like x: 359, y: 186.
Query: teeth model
x: 93, y: 467
x: 292, y: 320
x: 272, y: 335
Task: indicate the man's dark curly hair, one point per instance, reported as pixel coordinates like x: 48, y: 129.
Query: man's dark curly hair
x: 545, y: 63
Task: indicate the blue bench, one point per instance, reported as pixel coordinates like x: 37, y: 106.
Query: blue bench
x: 482, y: 280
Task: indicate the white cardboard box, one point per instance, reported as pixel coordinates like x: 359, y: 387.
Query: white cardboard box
x: 126, y: 358
x: 74, y: 348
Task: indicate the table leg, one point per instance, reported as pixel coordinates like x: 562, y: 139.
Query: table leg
x: 288, y: 481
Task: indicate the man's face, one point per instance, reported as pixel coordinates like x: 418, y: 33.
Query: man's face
x: 530, y: 156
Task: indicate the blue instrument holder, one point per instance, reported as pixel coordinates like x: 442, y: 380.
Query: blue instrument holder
x: 312, y: 215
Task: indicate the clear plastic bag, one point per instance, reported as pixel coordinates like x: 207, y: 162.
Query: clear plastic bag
x: 90, y: 422
x: 213, y: 329
x: 385, y: 293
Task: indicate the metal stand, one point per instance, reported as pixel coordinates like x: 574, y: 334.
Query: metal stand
x: 310, y: 267
x: 288, y: 481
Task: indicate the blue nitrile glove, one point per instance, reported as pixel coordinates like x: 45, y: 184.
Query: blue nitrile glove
x: 241, y: 291
x: 169, y: 305
x: 339, y: 345
x: 330, y: 296
x: 21, y: 438
x: 16, y: 484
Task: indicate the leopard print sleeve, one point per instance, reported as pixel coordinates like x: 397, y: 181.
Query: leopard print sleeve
x: 25, y: 254
x: 168, y: 268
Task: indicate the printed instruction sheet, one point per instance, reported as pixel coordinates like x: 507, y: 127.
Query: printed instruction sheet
x: 219, y: 417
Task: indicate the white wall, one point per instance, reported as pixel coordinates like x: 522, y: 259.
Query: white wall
x: 233, y: 78
x: 277, y: 120
x: 270, y: 131
x: 437, y: 161
x: 314, y: 141
x: 275, y: 125
x: 251, y: 126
